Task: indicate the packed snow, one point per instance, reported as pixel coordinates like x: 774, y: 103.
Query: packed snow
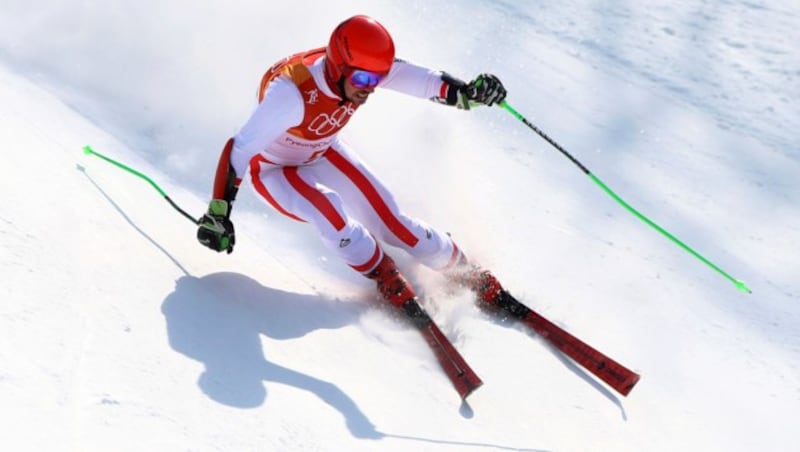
x: 119, y: 332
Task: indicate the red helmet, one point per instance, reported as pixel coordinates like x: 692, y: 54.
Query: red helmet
x: 359, y: 42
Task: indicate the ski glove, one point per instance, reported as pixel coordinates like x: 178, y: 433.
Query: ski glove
x: 486, y: 89
x: 215, y: 229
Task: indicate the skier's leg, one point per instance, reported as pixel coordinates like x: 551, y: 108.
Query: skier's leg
x: 375, y: 206
x: 299, y: 193
x: 371, y: 202
x: 296, y: 193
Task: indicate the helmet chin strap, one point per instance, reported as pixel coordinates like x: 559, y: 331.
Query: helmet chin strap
x: 340, y: 86
x: 336, y: 86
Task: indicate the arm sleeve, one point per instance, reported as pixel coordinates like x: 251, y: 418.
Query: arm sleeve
x: 281, y: 109
x: 422, y: 82
x: 417, y: 81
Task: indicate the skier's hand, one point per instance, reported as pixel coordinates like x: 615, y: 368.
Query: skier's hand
x: 486, y: 89
x: 215, y: 229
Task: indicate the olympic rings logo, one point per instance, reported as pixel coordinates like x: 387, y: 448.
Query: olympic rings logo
x: 325, y: 124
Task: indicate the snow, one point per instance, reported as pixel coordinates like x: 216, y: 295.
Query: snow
x: 119, y: 332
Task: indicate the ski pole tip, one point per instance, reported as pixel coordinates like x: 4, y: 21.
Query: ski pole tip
x: 742, y: 286
x: 88, y: 150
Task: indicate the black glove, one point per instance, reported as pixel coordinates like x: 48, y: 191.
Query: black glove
x: 215, y: 229
x: 486, y: 89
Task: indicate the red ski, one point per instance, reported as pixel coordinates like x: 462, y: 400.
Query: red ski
x: 617, y: 376
x: 464, y: 379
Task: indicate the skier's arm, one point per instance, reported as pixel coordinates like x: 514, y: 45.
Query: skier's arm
x: 281, y: 109
x: 215, y: 228
x: 441, y: 87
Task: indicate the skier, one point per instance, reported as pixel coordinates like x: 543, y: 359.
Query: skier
x: 302, y: 169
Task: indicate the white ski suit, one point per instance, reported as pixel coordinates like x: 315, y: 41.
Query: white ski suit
x: 300, y: 167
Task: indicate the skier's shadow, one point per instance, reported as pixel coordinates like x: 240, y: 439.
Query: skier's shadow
x: 218, y: 320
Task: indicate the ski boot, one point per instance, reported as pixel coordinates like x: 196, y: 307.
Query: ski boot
x: 491, y: 294
x: 395, y: 289
x: 477, y: 279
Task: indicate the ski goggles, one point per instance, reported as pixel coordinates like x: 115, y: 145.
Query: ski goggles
x: 362, y: 79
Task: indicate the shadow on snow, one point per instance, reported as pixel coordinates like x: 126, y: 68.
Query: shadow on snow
x: 218, y: 320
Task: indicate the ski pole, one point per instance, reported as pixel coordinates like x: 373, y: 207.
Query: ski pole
x: 89, y: 151
x: 739, y: 284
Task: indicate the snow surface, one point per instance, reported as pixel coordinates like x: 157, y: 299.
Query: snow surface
x: 118, y: 332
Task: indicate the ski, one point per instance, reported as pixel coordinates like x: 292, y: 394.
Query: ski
x: 614, y: 374
x: 464, y: 379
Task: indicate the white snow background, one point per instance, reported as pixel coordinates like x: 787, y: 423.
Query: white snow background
x: 119, y: 332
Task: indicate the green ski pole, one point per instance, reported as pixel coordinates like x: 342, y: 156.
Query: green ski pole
x: 739, y: 284
x: 89, y: 151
